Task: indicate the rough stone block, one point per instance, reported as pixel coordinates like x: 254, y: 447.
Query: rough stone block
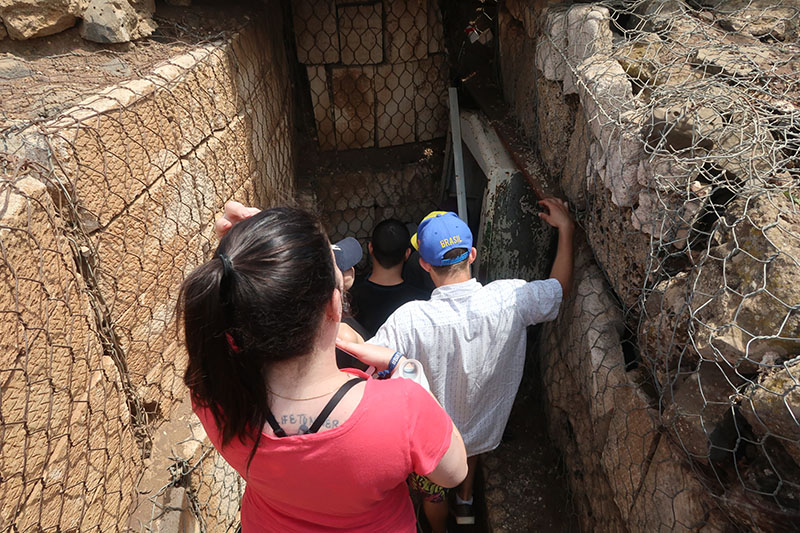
x: 315, y: 32
x: 431, y: 100
x: 553, y: 44
x: 113, y: 146
x: 57, y: 390
x: 321, y: 103
x: 670, y: 498
x: 353, y: 106
x: 588, y: 34
x: 38, y: 18
x: 619, y: 248
x: 573, y: 178
x: 772, y: 407
x: 395, y: 92
x: 745, y: 290
x: 556, y: 119
x: 361, y: 34
x: 143, y: 254
x: 406, y: 30
x: 632, y: 433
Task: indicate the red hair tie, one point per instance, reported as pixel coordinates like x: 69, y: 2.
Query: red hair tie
x: 232, y: 343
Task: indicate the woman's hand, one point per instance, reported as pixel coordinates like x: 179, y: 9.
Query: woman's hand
x: 234, y: 212
x: 371, y: 354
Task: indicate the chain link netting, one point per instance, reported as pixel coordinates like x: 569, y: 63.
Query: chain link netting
x: 684, y: 164
x: 376, y: 71
x: 114, y: 162
x: 353, y: 197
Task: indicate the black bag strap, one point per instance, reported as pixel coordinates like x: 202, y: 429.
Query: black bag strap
x: 326, y: 411
x: 276, y: 428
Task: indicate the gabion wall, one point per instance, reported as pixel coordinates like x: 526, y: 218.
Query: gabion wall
x: 672, y: 374
x: 108, y: 202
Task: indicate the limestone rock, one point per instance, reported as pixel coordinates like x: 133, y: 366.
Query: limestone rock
x: 551, y: 45
x: 772, y: 406
x: 117, y: 21
x: 573, y: 177
x: 605, y: 92
x: 655, y: 15
x: 108, y: 22
x: 588, y: 34
x: 652, y: 62
x: 12, y: 68
x: 758, y: 18
x: 716, y: 121
x: 3, y: 32
x: 26, y: 19
x: 555, y: 118
x: 699, y: 412
x: 747, y: 289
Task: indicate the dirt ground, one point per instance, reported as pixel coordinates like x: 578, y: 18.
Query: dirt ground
x: 41, y: 77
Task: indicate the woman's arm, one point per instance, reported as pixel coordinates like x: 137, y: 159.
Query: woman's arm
x: 452, y: 469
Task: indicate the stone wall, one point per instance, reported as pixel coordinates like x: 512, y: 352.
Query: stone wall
x: 670, y: 375
x: 66, y: 431
x: 376, y: 71
x: 108, y: 207
x: 352, y: 194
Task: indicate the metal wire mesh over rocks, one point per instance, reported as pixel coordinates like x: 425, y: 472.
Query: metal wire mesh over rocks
x: 376, y: 71
x: 687, y: 138
x: 108, y: 199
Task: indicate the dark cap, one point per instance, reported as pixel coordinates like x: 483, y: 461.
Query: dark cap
x: 348, y: 253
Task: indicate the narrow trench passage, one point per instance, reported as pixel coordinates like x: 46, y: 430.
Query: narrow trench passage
x: 521, y: 485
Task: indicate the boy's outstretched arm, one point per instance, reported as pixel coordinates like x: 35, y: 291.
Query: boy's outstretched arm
x: 558, y: 216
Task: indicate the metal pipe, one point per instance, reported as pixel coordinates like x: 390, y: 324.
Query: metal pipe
x: 458, y: 159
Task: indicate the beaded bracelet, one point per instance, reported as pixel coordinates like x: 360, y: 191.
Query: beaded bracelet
x: 386, y: 374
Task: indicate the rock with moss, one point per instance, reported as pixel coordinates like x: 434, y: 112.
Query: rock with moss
x: 746, y: 290
x: 772, y: 406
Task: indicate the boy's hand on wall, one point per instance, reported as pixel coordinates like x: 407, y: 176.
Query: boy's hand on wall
x: 234, y: 212
x: 557, y: 214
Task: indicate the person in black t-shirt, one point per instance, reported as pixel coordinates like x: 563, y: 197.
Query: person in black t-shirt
x: 378, y: 296
x: 347, y: 253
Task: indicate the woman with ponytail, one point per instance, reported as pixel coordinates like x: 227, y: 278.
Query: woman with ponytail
x: 321, y: 449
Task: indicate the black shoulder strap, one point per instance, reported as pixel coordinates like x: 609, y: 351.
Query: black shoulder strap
x: 326, y: 411
x: 276, y: 428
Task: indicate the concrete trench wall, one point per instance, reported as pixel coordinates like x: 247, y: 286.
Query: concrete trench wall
x: 107, y: 207
x: 644, y: 450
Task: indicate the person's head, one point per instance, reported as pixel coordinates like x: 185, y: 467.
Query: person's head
x: 390, y: 245
x: 347, y: 253
x: 266, y: 295
x: 444, y: 242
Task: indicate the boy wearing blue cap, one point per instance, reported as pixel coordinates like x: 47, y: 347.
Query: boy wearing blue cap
x: 471, y: 338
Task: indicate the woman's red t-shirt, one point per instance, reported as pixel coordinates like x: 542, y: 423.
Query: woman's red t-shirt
x: 349, y: 478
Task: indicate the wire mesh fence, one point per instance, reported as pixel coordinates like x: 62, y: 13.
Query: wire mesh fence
x: 686, y: 173
x: 376, y: 71
x: 110, y: 178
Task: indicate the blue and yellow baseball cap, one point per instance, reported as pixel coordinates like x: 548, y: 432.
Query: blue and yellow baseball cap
x: 440, y: 232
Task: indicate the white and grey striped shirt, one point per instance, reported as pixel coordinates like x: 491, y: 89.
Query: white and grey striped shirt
x: 471, y: 340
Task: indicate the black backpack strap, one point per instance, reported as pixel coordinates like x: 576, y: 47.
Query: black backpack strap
x: 276, y: 428
x: 326, y: 411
